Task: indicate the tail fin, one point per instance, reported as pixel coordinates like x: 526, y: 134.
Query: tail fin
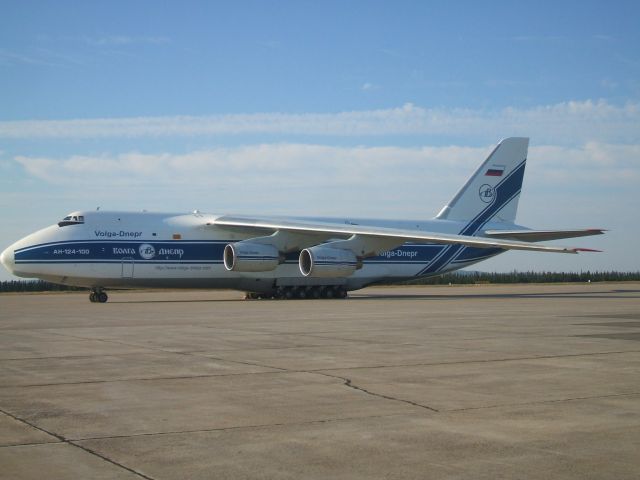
x: 494, y: 189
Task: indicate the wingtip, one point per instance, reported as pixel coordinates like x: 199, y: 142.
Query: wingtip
x: 587, y: 250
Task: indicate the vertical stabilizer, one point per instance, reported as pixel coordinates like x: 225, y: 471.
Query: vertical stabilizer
x: 494, y: 189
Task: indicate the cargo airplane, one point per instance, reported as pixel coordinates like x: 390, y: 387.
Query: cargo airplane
x: 287, y: 257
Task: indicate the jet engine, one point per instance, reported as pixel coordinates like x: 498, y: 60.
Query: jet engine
x: 321, y: 261
x: 250, y: 257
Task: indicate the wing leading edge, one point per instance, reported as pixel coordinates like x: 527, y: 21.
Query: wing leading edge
x: 326, y: 231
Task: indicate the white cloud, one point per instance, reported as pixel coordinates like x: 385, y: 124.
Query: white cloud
x: 120, y: 40
x: 266, y: 163
x: 590, y: 167
x: 8, y: 58
x: 593, y: 166
x: 566, y: 123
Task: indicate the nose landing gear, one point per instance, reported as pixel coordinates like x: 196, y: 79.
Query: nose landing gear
x: 98, y: 295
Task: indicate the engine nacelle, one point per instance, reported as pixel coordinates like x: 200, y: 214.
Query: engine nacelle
x: 327, y: 262
x: 250, y: 257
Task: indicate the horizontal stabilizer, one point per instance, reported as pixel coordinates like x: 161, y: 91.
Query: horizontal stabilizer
x: 541, y: 235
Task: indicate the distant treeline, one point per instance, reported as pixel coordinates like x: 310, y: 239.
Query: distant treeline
x: 463, y: 277
x: 458, y: 278
x: 34, y: 286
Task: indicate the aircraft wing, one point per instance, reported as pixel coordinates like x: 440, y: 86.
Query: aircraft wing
x: 541, y: 235
x: 327, y: 231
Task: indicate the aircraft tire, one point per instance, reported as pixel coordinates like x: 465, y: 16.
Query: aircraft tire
x: 102, y: 297
x: 328, y: 292
x: 307, y: 293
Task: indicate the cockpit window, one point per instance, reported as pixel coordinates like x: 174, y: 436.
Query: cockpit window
x: 71, y: 220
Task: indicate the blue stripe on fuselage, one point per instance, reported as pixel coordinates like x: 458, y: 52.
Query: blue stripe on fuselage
x: 101, y: 251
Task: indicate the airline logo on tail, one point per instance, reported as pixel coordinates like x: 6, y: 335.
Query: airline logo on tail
x: 486, y: 193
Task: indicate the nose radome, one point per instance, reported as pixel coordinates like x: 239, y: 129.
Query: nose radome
x: 7, y: 259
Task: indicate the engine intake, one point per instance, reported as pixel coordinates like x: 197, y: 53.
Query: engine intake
x: 250, y: 257
x: 327, y: 262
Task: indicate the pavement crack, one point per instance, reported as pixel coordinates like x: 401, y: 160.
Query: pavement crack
x: 349, y: 383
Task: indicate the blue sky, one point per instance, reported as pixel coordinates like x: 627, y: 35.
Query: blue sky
x: 328, y: 108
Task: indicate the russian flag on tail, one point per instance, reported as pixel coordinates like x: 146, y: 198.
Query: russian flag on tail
x: 495, y: 171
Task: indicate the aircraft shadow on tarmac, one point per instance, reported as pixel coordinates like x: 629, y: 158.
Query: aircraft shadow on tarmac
x: 600, y: 294
x: 574, y: 295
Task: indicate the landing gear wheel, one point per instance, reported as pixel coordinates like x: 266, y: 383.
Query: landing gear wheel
x: 98, y: 295
x: 308, y: 292
x: 328, y: 292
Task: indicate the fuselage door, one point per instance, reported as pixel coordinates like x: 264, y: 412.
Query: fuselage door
x: 127, y: 267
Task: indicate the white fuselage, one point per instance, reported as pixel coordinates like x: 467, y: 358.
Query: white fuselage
x: 124, y: 249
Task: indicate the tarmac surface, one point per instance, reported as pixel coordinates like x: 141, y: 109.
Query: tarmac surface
x: 481, y: 382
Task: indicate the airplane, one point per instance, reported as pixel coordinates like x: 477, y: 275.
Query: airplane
x: 275, y: 257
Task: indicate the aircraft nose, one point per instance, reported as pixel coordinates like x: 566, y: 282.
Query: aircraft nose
x: 7, y: 259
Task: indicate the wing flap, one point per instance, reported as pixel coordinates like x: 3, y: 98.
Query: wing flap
x: 327, y: 231
x: 541, y: 235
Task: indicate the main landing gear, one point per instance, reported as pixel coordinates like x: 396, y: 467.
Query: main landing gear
x: 301, y: 293
x: 98, y: 295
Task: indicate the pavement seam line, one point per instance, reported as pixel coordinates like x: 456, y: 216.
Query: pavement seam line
x: 63, y: 440
x: 107, y: 459
x: 200, y: 354
x: 22, y: 420
x: 250, y: 364
x: 540, y: 402
x: 514, y: 359
x: 144, y: 379
x: 159, y: 349
x: 240, y: 427
x: 311, y: 371
x: 30, y: 444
